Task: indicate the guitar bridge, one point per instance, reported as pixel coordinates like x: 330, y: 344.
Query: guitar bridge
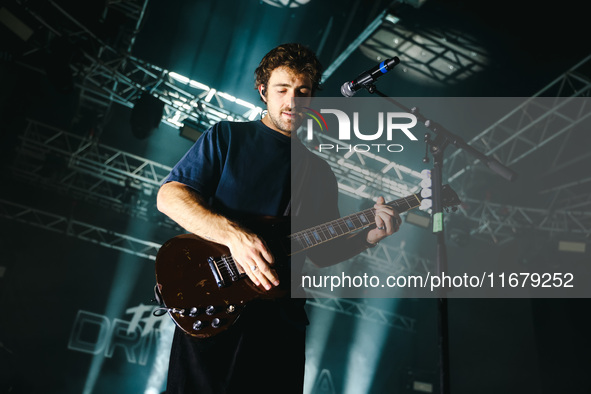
x: 224, y: 270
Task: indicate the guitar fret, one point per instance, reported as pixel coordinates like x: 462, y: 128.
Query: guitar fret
x: 323, y: 233
x: 317, y: 236
x: 349, y: 224
x: 307, y: 239
x: 343, y: 226
x: 408, y: 202
x: 332, y: 230
x: 363, y: 218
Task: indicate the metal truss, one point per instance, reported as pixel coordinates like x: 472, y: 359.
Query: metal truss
x: 436, y: 55
x: 363, y: 174
x: 107, y: 74
x: 87, y: 156
x: 91, y: 171
x: 533, y: 124
x: 194, y: 102
x: 554, y: 117
x: 501, y: 223
x: 573, y: 201
x: 360, y: 309
x: 74, y: 228
x: 134, y: 10
x: 368, y: 31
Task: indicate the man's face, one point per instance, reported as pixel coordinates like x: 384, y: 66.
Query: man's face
x: 283, y: 86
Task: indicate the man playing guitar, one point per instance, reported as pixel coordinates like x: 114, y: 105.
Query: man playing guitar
x: 244, y: 169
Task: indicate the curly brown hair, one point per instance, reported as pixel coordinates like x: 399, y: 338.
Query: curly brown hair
x: 296, y: 57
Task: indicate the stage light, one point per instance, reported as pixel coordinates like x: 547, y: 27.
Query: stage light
x: 419, y: 382
x: 316, y: 340
x: 15, y: 25
x: 422, y: 387
x: 568, y: 246
x: 179, y: 77
x: 366, y: 351
x: 157, y: 380
x: 245, y: 104
x: 209, y: 95
x: 254, y: 113
x: 227, y: 96
x: 198, y: 85
x: 287, y: 3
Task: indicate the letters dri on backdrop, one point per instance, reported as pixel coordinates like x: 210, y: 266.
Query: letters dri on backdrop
x: 137, y: 337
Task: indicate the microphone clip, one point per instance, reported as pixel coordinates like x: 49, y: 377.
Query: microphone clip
x: 371, y: 87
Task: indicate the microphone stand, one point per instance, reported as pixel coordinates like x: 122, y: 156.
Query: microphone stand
x: 443, y: 138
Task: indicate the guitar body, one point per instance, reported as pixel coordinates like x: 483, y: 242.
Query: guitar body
x: 198, y: 285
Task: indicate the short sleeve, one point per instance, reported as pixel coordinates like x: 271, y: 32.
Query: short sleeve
x: 201, y: 167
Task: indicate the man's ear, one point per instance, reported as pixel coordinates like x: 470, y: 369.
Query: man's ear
x: 262, y: 92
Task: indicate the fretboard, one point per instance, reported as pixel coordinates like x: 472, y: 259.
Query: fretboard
x: 322, y: 233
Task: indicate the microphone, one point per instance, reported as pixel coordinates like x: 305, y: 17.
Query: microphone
x: 350, y: 88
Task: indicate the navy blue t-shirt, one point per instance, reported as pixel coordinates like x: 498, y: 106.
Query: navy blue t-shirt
x: 244, y: 169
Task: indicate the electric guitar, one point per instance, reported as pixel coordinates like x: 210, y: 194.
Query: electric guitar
x: 203, y: 289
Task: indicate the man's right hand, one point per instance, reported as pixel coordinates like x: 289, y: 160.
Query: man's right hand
x: 252, y: 255
x: 186, y: 207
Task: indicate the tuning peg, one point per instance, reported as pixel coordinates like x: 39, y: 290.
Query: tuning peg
x: 426, y: 191
x: 426, y: 204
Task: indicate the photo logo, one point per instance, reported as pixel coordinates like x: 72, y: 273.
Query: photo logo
x: 317, y: 117
x: 390, y: 126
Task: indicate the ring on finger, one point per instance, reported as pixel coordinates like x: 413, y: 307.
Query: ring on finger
x: 381, y: 228
x: 253, y: 268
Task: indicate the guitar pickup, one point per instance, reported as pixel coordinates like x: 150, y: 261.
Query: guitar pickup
x: 224, y: 269
x: 215, y: 270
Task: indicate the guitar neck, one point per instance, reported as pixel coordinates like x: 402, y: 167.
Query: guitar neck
x: 313, y: 236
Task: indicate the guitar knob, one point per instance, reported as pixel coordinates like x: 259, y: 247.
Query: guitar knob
x: 193, y: 311
x: 215, y: 323
x: 198, y: 325
x: 210, y: 310
x: 231, y: 309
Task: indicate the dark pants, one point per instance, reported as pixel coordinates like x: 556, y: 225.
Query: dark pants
x: 262, y: 352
